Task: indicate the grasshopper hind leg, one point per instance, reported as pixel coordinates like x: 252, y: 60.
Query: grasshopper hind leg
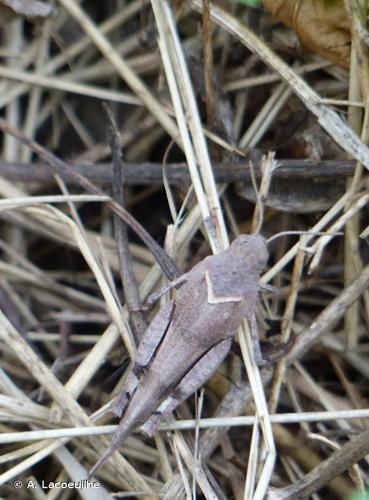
x: 150, y: 343
x: 193, y: 380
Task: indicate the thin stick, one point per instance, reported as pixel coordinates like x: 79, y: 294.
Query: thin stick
x: 189, y: 124
x: 202, y: 423
x: 207, y: 30
x: 352, y: 228
x: 128, y: 277
x: 149, y: 173
x: 67, y: 85
x: 329, y: 316
x: 287, y: 322
x: 338, y: 462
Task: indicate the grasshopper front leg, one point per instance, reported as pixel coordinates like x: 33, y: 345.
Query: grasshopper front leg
x: 155, y: 296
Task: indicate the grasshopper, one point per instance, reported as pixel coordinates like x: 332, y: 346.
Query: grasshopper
x: 190, y: 336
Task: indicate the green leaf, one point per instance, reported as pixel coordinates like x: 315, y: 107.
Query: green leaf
x: 250, y: 3
x: 360, y: 496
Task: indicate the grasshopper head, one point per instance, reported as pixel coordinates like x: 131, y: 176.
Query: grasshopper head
x: 252, y: 247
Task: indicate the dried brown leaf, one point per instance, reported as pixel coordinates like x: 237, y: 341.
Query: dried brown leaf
x: 322, y: 26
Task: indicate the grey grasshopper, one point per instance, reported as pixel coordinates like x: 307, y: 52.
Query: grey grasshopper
x: 189, y: 337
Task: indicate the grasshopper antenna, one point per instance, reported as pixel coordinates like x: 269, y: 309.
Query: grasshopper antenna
x: 313, y: 233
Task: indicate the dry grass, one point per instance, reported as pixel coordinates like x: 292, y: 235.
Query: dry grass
x: 292, y: 429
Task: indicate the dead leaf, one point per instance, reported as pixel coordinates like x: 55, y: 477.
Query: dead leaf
x: 322, y: 26
x: 27, y: 8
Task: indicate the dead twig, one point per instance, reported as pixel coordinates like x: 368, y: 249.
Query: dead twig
x: 128, y: 278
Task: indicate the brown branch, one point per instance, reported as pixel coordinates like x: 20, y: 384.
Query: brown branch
x: 208, y: 64
x: 340, y: 460
x: 177, y: 173
x: 128, y: 278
